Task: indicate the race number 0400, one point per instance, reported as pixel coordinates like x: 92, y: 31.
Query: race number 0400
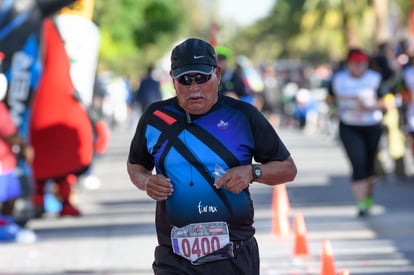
x: 200, y: 246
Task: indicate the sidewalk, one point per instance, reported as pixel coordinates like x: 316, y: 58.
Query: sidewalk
x: 116, y: 234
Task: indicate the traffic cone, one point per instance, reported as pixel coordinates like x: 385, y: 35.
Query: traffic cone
x: 280, y: 211
x: 283, y: 196
x: 301, y: 245
x: 327, y: 261
x: 345, y: 272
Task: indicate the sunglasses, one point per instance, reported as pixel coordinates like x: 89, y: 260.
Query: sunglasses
x: 198, y: 78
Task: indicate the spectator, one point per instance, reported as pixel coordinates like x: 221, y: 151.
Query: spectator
x: 231, y: 83
x: 408, y: 78
x: 149, y: 90
x: 11, y: 144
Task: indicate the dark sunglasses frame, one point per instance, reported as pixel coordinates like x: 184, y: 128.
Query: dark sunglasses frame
x: 198, y: 78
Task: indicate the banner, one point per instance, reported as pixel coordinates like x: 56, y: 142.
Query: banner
x: 20, y: 39
x: 81, y: 37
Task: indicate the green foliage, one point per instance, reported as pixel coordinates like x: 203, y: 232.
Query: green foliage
x: 135, y: 33
x: 158, y: 19
x: 268, y: 38
x: 321, y: 29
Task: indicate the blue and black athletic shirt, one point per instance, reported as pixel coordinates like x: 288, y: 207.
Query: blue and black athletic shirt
x: 187, y: 149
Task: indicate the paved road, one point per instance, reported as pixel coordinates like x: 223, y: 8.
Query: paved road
x: 116, y: 233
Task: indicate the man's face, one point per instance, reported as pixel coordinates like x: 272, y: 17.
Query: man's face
x: 357, y: 68
x: 197, y: 98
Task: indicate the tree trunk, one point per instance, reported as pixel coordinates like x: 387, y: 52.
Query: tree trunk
x: 381, y: 19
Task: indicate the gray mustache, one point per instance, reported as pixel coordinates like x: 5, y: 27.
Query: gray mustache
x: 195, y: 95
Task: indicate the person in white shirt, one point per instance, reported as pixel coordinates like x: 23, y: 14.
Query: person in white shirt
x: 357, y: 94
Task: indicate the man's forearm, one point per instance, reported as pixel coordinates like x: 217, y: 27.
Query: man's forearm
x: 138, y: 175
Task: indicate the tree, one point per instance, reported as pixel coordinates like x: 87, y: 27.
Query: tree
x: 137, y: 33
x: 320, y: 29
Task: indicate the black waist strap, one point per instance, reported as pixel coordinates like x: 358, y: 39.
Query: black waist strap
x: 239, y: 244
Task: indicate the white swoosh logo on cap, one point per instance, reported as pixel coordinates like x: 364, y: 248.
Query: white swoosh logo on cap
x: 198, y: 56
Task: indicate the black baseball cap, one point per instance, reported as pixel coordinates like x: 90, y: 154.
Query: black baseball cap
x: 193, y: 56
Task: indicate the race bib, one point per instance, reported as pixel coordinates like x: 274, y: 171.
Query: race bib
x: 202, y: 242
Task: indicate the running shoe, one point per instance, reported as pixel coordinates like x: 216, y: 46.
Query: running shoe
x: 369, y: 202
x: 362, y: 208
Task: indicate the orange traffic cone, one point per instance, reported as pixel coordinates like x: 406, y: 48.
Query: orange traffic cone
x: 301, y: 245
x: 327, y: 261
x: 280, y: 211
x: 345, y: 272
x: 283, y: 196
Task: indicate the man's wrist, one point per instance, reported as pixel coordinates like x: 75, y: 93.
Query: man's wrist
x: 145, y: 182
x: 256, y: 172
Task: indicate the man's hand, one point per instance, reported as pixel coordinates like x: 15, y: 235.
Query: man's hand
x: 236, y: 179
x: 158, y: 187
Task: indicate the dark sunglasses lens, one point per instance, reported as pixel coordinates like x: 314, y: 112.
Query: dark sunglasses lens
x: 202, y: 78
x: 185, y: 80
x: 199, y: 79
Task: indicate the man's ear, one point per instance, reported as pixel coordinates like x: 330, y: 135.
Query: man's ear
x: 218, y: 73
x: 172, y: 79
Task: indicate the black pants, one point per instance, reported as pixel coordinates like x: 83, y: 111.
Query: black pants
x: 245, y: 262
x: 361, y: 146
